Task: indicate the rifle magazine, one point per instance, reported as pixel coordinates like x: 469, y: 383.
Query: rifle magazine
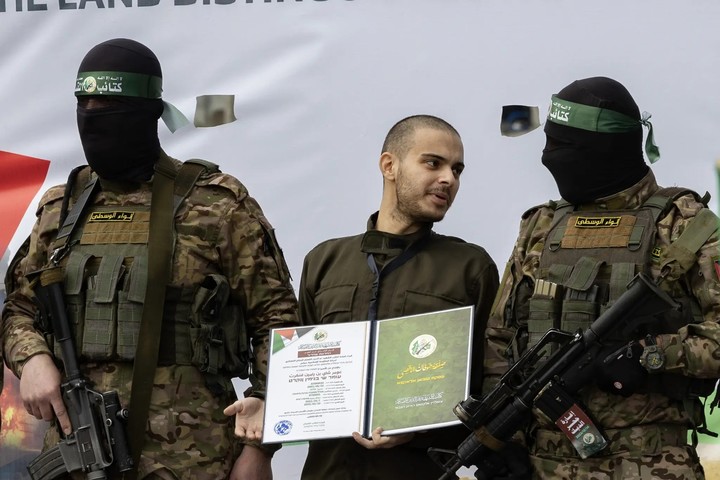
x: 47, y: 465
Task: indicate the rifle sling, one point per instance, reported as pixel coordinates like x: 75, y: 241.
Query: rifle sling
x: 169, y: 189
x: 70, y: 221
x: 160, y: 250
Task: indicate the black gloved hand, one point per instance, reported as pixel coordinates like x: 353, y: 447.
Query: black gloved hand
x: 619, y: 370
x: 510, y: 463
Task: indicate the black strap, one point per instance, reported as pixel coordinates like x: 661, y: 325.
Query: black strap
x: 69, y: 188
x: 70, y: 223
x: 390, y: 267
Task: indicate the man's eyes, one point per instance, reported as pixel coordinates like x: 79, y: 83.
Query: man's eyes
x: 457, y: 169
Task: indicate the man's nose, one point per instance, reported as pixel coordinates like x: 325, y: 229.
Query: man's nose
x: 447, y: 176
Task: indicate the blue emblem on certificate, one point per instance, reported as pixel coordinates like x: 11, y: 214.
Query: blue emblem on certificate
x: 283, y: 427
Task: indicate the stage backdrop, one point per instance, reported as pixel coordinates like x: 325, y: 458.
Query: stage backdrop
x: 314, y: 85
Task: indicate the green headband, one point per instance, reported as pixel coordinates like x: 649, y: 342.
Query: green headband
x: 118, y: 83
x: 601, y: 120
x: 129, y: 85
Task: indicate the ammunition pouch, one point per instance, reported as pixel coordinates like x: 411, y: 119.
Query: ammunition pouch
x: 544, y: 315
x: 579, y: 309
x: 219, y: 342
x: 104, y: 299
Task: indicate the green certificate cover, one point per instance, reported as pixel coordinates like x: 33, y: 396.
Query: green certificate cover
x: 421, y: 370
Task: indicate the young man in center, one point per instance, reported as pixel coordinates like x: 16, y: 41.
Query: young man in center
x: 399, y: 267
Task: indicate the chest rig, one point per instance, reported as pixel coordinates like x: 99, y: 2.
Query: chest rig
x: 590, y: 256
x: 588, y: 259
x: 105, y: 282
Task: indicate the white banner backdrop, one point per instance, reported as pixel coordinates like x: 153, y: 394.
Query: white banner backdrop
x: 317, y: 84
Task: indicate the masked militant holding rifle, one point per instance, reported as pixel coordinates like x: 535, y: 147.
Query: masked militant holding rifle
x: 573, y: 260
x: 146, y: 284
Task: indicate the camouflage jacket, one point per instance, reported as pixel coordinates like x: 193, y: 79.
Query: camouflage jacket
x: 693, y: 351
x: 220, y: 230
x: 336, y: 287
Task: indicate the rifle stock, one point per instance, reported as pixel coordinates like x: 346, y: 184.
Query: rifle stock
x: 559, y: 362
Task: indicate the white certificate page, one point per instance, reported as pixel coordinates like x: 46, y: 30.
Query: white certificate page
x: 316, y: 382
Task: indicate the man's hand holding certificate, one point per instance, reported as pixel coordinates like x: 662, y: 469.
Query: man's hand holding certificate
x: 402, y: 375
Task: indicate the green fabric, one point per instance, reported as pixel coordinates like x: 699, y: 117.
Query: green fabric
x: 118, y: 83
x: 173, y: 117
x: 601, y: 120
x: 590, y: 118
x: 126, y: 84
x: 713, y: 424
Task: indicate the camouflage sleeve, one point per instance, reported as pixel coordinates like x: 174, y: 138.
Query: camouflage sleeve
x: 499, y: 333
x: 507, y: 319
x: 695, y: 349
x: 487, y: 287
x: 20, y: 338
x: 259, y: 277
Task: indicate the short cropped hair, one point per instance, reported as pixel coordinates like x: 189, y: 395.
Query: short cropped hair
x: 399, y: 138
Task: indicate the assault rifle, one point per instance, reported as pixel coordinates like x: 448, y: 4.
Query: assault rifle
x: 546, y: 377
x: 98, y: 439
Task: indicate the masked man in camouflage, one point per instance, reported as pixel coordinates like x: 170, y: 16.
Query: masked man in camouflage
x: 399, y: 266
x: 227, y: 276
x: 574, y: 257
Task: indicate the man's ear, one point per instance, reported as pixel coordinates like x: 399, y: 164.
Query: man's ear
x: 388, y: 163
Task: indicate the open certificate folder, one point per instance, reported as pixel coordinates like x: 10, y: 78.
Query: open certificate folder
x: 403, y: 374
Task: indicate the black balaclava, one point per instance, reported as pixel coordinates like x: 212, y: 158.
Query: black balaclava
x: 588, y: 165
x: 120, y: 140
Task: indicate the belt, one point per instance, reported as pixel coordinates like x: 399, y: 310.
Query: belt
x: 637, y: 440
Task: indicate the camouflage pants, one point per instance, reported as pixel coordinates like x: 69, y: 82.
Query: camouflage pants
x: 159, y: 475
x: 187, y: 437
x: 638, y: 453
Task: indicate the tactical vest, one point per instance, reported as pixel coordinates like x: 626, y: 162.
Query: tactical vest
x: 105, y: 279
x: 589, y: 258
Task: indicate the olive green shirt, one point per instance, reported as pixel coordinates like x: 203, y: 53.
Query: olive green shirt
x: 336, y: 286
